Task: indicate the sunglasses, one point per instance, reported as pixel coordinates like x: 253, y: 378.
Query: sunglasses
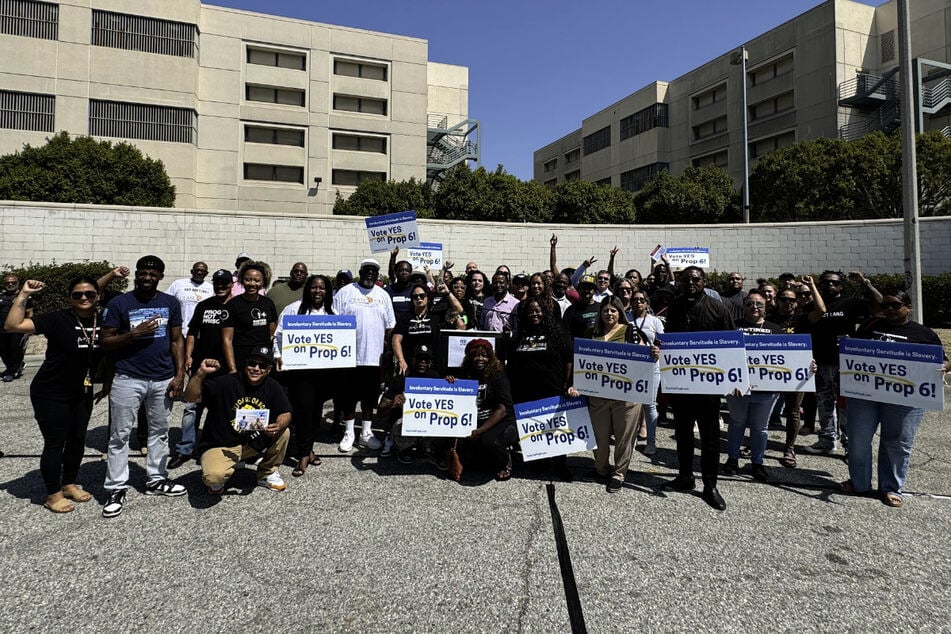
x: 418, y: 296
x: 604, y: 279
x: 755, y: 305
x: 639, y: 300
x: 625, y: 290
x: 263, y: 365
x: 788, y: 300
x: 84, y: 294
x: 892, y: 305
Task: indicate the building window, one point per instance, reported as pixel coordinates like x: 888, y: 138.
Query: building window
x: 709, y: 128
x: 633, y: 180
x: 280, y: 59
x: 573, y: 176
x: 597, y: 140
x: 270, y: 94
x: 603, y: 181
x: 709, y: 97
x: 772, y: 70
x: 352, y: 178
x: 718, y: 159
x: 888, y: 46
x: 761, y: 147
x: 141, y: 121
x: 365, y: 105
x: 278, y: 173
x: 138, y: 33
x: 26, y: 111
x: 550, y: 166
x: 654, y: 116
x: 359, y: 143
x: 551, y: 182
x: 29, y: 19
x: 771, y: 106
x: 273, y: 136
x: 573, y: 155
x: 365, y: 70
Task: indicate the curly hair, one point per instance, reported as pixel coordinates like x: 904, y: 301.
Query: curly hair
x: 493, y: 367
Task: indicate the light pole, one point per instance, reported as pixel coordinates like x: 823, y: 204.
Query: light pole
x: 909, y: 171
x: 740, y: 57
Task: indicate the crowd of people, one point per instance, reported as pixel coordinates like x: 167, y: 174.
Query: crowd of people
x: 218, y: 346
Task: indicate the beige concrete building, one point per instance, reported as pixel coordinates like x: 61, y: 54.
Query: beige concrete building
x: 247, y: 111
x: 829, y: 72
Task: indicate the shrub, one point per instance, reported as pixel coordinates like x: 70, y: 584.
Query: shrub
x: 57, y: 277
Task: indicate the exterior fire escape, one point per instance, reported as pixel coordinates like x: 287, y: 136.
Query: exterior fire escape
x: 448, y: 146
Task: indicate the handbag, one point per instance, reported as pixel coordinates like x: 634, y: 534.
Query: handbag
x: 455, y: 464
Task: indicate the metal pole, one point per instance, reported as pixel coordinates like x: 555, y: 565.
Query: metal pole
x: 746, y: 143
x: 909, y: 171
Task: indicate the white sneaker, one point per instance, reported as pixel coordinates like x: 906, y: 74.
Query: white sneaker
x: 346, y: 443
x: 387, y: 447
x: 650, y: 449
x: 274, y: 482
x: 371, y: 442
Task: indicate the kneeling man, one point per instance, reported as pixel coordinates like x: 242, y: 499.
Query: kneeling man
x: 248, y: 416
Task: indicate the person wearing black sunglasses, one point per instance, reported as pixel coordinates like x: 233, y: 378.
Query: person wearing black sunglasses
x: 62, y: 390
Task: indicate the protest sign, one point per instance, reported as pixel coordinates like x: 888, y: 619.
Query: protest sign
x: 426, y: 255
x: 553, y: 427
x: 680, y: 257
x: 703, y: 362
x: 311, y: 342
x: 622, y: 371
x: 780, y: 363
x: 889, y: 372
x: 435, y: 407
x: 392, y: 230
x: 658, y: 252
x: 455, y: 342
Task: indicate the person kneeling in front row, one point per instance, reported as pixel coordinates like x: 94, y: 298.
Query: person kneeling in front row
x: 248, y: 416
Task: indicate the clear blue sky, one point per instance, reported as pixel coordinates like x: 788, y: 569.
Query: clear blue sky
x: 538, y: 67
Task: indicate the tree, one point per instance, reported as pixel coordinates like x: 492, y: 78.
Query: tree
x: 375, y: 198
x: 700, y: 195
x: 584, y: 202
x: 83, y: 170
x: 497, y: 196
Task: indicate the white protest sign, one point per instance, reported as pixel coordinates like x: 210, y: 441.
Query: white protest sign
x: 456, y: 344
x: 703, y: 362
x: 680, y: 257
x: 553, y: 427
x: 622, y: 371
x: 310, y: 342
x: 435, y: 407
x: 780, y: 363
x: 657, y: 252
x: 887, y: 372
x: 427, y: 254
x: 392, y: 230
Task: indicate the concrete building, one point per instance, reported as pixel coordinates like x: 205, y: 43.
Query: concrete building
x: 247, y: 111
x: 829, y: 72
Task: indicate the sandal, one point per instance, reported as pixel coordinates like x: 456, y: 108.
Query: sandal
x: 504, y: 474
x: 301, y: 467
x: 789, y: 459
x: 76, y: 493
x: 893, y: 500
x: 62, y: 505
x: 314, y: 459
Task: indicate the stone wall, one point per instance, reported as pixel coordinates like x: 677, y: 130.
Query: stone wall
x: 41, y: 232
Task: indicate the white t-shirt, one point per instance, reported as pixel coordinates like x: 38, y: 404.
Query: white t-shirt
x: 290, y: 310
x: 374, y: 312
x: 188, y: 295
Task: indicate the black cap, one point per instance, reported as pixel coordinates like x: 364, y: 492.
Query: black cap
x: 520, y: 280
x: 423, y: 351
x: 221, y: 276
x: 150, y: 262
x: 262, y: 352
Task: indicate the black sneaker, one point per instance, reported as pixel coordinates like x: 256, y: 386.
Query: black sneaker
x: 759, y: 473
x: 166, y: 488
x: 405, y: 456
x: 614, y: 485
x: 731, y: 467
x: 178, y: 460
x: 114, y: 504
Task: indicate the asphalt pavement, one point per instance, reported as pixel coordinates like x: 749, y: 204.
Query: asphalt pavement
x: 366, y: 544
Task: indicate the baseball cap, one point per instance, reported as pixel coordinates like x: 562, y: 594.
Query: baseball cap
x: 423, y: 351
x: 370, y: 262
x: 262, y: 352
x: 520, y: 280
x: 150, y: 262
x: 221, y: 276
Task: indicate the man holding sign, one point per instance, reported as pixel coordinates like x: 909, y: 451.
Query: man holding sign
x: 891, y: 405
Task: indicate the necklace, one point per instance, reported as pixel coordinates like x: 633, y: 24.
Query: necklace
x: 90, y: 338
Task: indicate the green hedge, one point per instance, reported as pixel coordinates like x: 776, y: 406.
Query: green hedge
x: 57, y: 277
x: 935, y: 290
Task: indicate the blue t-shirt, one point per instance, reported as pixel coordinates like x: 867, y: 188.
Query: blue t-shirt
x: 144, y: 358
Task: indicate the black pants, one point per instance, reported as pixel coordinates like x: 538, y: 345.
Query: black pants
x: 63, y: 425
x: 493, y: 445
x: 308, y: 390
x: 12, y: 349
x: 704, y: 410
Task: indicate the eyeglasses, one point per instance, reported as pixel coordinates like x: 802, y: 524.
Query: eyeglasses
x: 788, y: 300
x: 84, y: 295
x: 263, y: 365
x: 625, y: 290
x: 755, y: 305
x: 639, y: 300
x: 418, y: 296
x: 892, y: 305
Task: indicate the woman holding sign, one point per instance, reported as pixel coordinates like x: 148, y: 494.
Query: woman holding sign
x: 307, y: 390
x: 899, y: 422
x: 610, y: 416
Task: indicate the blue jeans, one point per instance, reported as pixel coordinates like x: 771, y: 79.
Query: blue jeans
x: 831, y: 420
x: 190, y: 419
x: 752, y: 410
x: 899, y: 425
x: 127, y: 395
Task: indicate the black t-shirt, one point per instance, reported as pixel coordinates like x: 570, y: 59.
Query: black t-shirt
x: 580, y: 319
x: 69, y: 355
x: 792, y: 324
x: 841, y: 318
x: 493, y: 392
x: 225, y: 396
x: 205, y: 326
x: 6, y: 303
x: 734, y: 303
x: 909, y: 332
x: 402, y: 302
x: 417, y: 331
x: 397, y: 385
x: 251, y: 321
x: 766, y: 328
x: 536, y: 366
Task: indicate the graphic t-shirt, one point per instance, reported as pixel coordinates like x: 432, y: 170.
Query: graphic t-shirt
x: 72, y: 351
x: 189, y: 295
x: 251, y: 321
x: 226, y: 397
x: 145, y: 357
x: 205, y: 327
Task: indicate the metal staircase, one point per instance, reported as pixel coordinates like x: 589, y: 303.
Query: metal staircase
x: 448, y: 146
